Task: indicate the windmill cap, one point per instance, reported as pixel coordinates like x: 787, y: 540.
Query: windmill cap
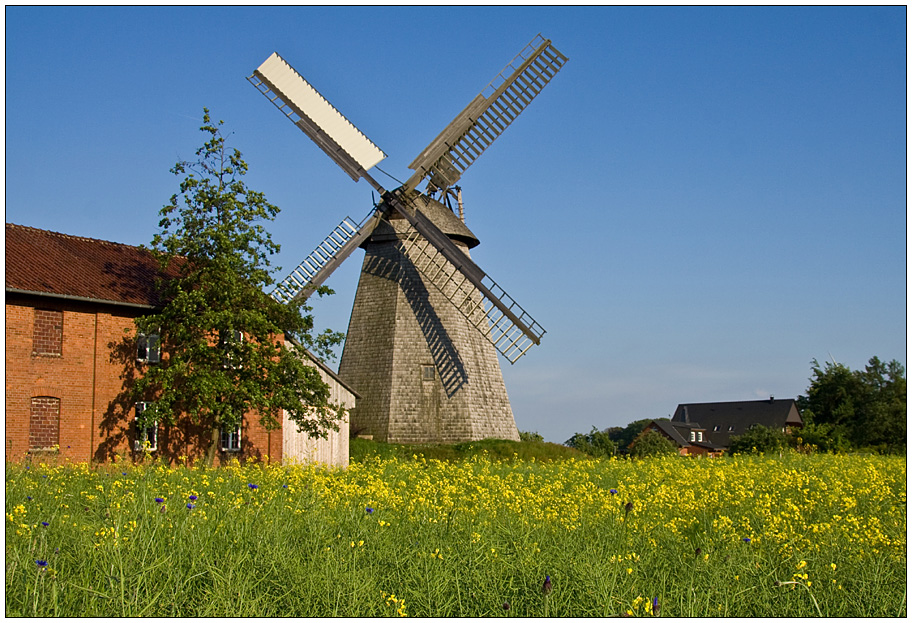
x: 437, y: 213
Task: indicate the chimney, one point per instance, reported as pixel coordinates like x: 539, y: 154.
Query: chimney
x: 772, y: 399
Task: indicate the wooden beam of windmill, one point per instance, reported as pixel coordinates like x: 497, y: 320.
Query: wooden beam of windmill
x: 486, y: 117
x: 487, y: 306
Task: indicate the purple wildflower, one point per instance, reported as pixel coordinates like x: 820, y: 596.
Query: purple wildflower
x: 45, y: 524
x: 191, y: 506
x: 252, y: 486
x: 41, y: 563
x: 369, y: 510
x: 613, y: 491
x: 160, y: 500
x: 193, y: 498
x: 746, y: 539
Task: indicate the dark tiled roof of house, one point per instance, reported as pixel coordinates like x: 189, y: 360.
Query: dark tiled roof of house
x: 724, y: 420
x: 50, y: 263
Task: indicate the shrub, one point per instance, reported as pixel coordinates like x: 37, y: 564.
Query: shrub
x: 652, y: 443
x: 758, y: 439
x: 597, y: 443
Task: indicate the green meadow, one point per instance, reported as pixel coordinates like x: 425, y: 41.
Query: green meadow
x: 470, y: 535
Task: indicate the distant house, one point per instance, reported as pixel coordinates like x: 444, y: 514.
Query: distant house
x: 707, y: 428
x: 71, y: 348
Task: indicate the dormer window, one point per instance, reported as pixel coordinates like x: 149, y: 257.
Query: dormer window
x: 693, y: 436
x: 700, y: 436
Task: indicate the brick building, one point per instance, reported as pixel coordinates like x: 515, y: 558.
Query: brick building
x: 71, y: 347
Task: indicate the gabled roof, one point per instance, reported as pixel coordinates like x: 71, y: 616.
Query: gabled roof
x: 724, y: 420
x: 48, y: 263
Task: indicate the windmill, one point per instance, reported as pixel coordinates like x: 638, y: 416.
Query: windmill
x: 427, y: 322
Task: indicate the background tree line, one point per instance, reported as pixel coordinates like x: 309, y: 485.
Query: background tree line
x: 843, y: 410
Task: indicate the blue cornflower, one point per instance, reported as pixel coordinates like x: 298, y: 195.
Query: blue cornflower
x: 655, y: 606
x: 369, y: 510
x: 191, y: 506
x: 193, y: 498
x: 28, y: 497
x: 41, y: 563
x: 121, y: 473
x: 746, y: 539
x: 160, y: 500
x: 284, y: 486
x: 252, y: 486
x: 546, y: 587
x: 45, y: 524
x: 613, y: 491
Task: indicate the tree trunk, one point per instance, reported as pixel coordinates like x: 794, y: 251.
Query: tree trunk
x: 213, y: 444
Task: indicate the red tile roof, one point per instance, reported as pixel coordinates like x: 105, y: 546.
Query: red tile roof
x: 57, y: 264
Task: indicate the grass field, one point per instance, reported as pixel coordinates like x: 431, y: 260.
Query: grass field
x: 407, y: 536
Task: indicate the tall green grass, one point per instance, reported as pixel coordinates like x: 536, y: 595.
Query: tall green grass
x: 472, y: 537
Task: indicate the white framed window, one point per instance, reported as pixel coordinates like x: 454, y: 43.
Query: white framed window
x: 731, y: 428
x: 231, y: 439
x: 226, y: 342
x: 428, y: 373
x: 147, y: 437
x: 716, y: 428
x: 693, y: 436
x: 700, y: 436
x: 148, y: 347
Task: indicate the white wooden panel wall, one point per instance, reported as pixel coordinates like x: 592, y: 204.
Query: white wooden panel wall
x: 301, y: 448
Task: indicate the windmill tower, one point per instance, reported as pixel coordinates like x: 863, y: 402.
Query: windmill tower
x: 427, y: 322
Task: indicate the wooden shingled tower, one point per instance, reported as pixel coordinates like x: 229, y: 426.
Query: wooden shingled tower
x: 427, y: 322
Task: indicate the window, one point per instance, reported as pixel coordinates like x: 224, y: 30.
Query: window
x: 231, y: 439
x: 146, y: 438
x: 693, y: 436
x: 148, y: 347
x: 229, y: 344
x: 428, y: 373
x: 700, y: 436
x: 716, y: 428
x: 44, y: 423
x: 47, y: 335
x: 731, y: 428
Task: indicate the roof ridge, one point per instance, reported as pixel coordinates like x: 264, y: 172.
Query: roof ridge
x: 72, y: 237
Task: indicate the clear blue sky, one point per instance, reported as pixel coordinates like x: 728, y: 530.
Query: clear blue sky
x: 700, y: 203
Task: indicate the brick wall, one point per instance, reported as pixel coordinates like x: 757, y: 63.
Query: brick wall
x: 86, y: 378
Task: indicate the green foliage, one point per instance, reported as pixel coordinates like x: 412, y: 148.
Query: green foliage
x: 652, y: 443
x: 623, y: 436
x: 221, y: 335
x: 822, y: 437
x: 530, y: 436
x: 867, y: 407
x: 597, y: 443
x: 361, y: 450
x: 758, y: 439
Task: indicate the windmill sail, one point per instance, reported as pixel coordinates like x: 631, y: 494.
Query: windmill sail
x: 316, y: 117
x: 329, y: 254
x: 487, y: 116
x: 485, y: 304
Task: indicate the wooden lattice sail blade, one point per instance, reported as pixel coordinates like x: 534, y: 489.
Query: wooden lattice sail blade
x: 487, y: 307
x: 329, y: 254
x: 316, y: 117
x: 487, y: 116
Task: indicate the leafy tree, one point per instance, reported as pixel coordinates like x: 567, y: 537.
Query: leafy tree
x: 758, y: 439
x: 597, y: 443
x: 220, y: 334
x: 652, y: 443
x: 868, y: 406
x: 623, y: 436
